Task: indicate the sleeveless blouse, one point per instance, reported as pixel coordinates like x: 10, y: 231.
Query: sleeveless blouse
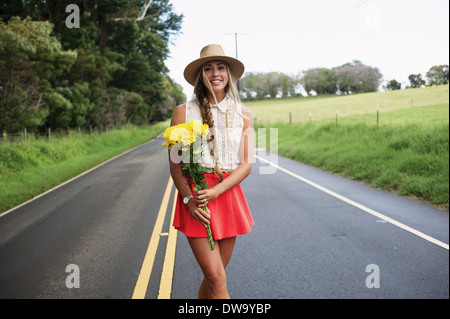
x: 228, y: 126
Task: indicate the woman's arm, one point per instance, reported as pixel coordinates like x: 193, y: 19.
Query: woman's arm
x: 179, y: 180
x: 242, y: 171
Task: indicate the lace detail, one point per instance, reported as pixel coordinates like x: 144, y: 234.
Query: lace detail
x: 228, y: 128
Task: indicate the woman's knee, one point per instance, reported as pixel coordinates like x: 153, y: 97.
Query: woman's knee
x: 216, y: 280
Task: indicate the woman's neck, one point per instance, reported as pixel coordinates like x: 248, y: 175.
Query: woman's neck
x: 219, y: 96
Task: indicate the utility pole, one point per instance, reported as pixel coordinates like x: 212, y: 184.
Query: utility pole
x: 236, y: 44
x: 236, y: 40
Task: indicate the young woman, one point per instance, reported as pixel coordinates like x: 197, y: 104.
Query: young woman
x: 227, y: 155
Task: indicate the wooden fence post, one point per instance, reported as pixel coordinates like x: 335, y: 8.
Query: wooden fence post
x: 378, y: 114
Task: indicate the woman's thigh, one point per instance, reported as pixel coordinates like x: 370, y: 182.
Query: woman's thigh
x: 212, y: 263
x: 226, y: 247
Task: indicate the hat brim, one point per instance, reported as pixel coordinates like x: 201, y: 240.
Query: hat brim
x: 236, y: 67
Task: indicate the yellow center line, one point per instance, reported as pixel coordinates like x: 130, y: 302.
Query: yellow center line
x: 165, y: 286
x: 144, y: 276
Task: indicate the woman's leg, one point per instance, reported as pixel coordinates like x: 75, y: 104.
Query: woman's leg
x: 213, y: 264
x: 226, y: 247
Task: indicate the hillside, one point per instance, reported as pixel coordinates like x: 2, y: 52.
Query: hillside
x: 320, y: 107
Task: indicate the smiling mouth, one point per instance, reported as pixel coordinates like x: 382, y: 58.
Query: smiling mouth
x: 216, y: 81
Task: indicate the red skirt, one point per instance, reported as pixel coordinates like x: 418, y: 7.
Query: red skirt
x: 230, y: 215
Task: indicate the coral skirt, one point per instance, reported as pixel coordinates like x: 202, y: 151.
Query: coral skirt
x: 230, y: 215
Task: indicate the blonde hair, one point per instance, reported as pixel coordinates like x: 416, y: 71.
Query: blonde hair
x: 201, y: 94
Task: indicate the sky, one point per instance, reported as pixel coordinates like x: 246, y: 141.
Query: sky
x: 399, y: 37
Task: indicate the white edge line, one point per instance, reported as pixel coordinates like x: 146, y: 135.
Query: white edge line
x: 362, y: 207
x: 72, y: 179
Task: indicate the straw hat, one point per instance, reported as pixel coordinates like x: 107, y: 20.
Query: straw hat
x: 213, y: 52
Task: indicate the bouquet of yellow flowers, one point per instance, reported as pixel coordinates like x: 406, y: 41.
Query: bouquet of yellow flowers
x: 187, y: 137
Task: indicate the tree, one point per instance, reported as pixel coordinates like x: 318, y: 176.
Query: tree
x: 319, y: 80
x: 117, y: 69
x: 393, y: 85
x: 288, y: 85
x: 356, y: 77
x: 349, y: 78
x: 416, y: 80
x: 252, y: 85
x: 60, y: 110
x: 174, y: 96
x: 268, y: 85
x: 271, y: 84
x: 438, y: 75
x: 30, y: 57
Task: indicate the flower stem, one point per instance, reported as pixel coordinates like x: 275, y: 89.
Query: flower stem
x: 209, y: 233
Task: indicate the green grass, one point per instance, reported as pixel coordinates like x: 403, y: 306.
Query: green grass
x: 30, y: 168
x: 407, y: 153
x: 273, y: 111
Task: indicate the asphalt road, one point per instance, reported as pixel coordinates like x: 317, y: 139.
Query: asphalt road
x: 316, y: 235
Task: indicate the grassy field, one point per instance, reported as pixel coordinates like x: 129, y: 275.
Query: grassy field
x: 30, y: 168
x: 408, y: 152
x: 317, y: 108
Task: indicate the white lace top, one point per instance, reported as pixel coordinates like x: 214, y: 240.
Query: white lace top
x: 229, y: 125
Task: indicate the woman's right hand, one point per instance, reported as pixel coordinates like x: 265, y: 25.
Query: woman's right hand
x: 198, y: 213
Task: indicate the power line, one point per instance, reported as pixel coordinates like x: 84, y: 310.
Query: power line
x: 347, y: 11
x: 330, y: 22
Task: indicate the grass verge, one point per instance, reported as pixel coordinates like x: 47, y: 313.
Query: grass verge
x: 29, y: 168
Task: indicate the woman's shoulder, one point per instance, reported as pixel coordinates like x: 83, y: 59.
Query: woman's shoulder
x: 179, y: 114
x: 246, y: 116
x: 180, y: 109
x: 246, y: 113
x: 245, y: 110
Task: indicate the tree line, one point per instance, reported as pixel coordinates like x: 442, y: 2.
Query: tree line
x: 349, y: 78
x: 108, y: 71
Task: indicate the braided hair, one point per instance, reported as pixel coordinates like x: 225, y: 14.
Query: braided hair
x: 201, y: 94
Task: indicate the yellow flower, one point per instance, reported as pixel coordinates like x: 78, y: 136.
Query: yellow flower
x: 186, y: 133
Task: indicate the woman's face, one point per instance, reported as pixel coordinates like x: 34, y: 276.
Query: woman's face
x: 217, y: 75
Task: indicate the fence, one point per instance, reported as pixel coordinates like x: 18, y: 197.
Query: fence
x: 310, y: 116
x: 48, y: 134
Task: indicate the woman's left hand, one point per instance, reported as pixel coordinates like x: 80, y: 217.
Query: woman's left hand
x: 206, y: 195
